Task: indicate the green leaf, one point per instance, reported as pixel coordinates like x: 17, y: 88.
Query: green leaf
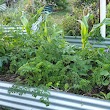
x: 104, y: 73
x: 105, y: 21
x: 57, y: 84
x: 24, y: 20
x: 49, y: 84
x: 66, y: 86
x: 101, y: 51
x: 40, y: 10
x: 108, y: 95
x: 105, y: 83
x: 85, y: 19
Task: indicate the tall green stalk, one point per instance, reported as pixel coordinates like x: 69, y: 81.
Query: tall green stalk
x: 85, y: 33
x: 84, y: 30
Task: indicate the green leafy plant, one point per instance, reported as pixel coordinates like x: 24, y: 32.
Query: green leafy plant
x: 19, y: 50
x: 28, y: 24
x: 41, y: 91
x: 70, y: 26
x: 58, y: 65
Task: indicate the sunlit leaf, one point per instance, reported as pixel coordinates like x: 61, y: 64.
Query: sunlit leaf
x: 104, y: 73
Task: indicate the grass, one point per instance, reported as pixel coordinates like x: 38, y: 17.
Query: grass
x: 58, y: 16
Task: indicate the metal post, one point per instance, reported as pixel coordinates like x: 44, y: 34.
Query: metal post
x: 102, y: 17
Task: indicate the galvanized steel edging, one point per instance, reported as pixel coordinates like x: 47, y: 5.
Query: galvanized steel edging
x: 74, y: 40
x: 58, y: 101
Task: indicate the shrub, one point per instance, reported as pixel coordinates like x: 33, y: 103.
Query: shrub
x: 59, y: 3
x: 71, y: 26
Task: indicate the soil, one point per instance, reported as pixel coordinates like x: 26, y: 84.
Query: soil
x: 8, y: 77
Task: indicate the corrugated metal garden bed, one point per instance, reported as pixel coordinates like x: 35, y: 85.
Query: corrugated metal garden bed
x: 58, y: 101
x: 95, y: 43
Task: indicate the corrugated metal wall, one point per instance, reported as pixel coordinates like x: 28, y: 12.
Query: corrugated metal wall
x: 77, y: 41
x: 58, y: 101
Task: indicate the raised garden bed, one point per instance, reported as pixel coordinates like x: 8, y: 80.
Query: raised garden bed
x: 44, y: 57
x: 58, y: 101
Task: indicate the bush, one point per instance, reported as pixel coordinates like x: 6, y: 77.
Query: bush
x: 59, y: 3
x: 11, y: 16
x: 71, y: 26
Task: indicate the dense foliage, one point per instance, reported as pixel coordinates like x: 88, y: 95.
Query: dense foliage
x: 59, y: 3
x: 87, y: 1
x: 70, y: 24
x: 43, y: 58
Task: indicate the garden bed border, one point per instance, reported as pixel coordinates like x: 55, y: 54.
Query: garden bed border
x: 58, y: 101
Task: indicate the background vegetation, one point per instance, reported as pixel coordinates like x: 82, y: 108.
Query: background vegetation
x: 67, y: 17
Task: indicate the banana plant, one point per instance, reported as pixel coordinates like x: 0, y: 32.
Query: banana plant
x: 85, y: 33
